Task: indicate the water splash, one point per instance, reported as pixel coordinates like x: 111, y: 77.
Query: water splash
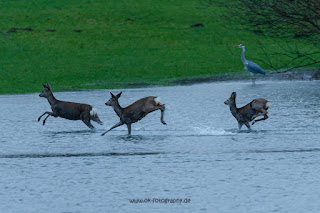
x: 212, y: 131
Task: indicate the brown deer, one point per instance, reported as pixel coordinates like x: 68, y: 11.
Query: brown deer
x: 69, y: 110
x: 135, y: 111
x: 247, y: 113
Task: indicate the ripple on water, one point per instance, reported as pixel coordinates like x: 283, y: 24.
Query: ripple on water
x: 69, y: 155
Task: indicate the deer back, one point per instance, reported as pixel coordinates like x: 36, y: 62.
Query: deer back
x: 245, y: 113
x: 255, y: 107
x: 70, y: 110
x: 259, y: 104
x: 140, y: 108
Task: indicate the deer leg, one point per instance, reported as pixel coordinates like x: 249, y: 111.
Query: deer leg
x: 85, y: 117
x: 41, y: 116
x: 96, y: 119
x: 44, y: 120
x: 247, y: 125
x: 115, y: 126
x: 89, y: 124
x: 129, y: 128
x: 162, y: 108
x: 255, y: 116
x: 265, y: 116
x: 49, y: 113
x: 162, y: 114
x: 239, y: 126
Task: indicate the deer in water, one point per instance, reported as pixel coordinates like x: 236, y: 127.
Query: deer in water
x: 135, y: 111
x: 68, y: 110
x: 247, y: 113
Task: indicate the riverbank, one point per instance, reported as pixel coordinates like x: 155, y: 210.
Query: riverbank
x: 101, y: 44
x: 305, y: 75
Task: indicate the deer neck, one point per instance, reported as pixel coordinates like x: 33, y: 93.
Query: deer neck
x: 51, y: 99
x: 234, y: 109
x: 118, y: 109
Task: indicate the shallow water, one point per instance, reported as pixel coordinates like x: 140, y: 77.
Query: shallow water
x: 199, y: 157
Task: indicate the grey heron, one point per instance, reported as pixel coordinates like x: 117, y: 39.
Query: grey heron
x: 252, y: 67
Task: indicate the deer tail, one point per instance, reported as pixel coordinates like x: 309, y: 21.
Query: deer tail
x: 157, y: 100
x: 93, y: 112
x: 268, y: 105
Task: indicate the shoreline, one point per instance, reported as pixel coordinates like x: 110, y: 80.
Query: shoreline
x: 303, y: 75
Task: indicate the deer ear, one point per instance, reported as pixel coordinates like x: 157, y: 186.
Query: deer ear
x: 112, y: 95
x: 118, y: 96
x: 234, y: 95
x: 48, y: 85
x: 44, y: 86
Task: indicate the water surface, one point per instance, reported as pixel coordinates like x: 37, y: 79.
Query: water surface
x: 200, y: 155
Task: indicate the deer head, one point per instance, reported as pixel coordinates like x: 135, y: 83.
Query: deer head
x: 114, y: 99
x: 232, y: 99
x: 46, y: 91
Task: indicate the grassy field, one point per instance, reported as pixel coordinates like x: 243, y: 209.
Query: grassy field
x: 87, y: 44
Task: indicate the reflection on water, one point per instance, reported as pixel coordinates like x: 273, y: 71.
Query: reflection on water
x: 200, y: 155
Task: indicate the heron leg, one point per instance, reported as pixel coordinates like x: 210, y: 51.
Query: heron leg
x: 253, y: 78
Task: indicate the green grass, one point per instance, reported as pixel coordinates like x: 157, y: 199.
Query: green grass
x: 112, y: 52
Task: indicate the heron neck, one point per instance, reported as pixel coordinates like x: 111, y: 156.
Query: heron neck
x: 242, y: 55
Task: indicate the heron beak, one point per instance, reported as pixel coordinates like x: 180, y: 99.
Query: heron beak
x: 236, y: 46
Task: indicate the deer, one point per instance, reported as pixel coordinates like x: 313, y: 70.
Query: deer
x: 247, y: 113
x: 136, y: 111
x: 68, y: 110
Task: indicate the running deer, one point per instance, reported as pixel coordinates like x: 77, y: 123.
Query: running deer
x: 247, y: 113
x: 135, y: 111
x: 69, y: 110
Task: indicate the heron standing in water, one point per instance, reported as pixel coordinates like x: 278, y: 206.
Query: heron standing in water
x: 252, y: 67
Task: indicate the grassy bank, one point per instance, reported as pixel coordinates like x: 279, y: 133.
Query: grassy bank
x: 84, y: 44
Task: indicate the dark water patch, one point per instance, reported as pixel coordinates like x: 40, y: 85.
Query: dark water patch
x: 140, y: 138
x: 131, y: 138
x: 285, y: 150
x: 138, y: 84
x: 68, y: 155
x: 81, y: 132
